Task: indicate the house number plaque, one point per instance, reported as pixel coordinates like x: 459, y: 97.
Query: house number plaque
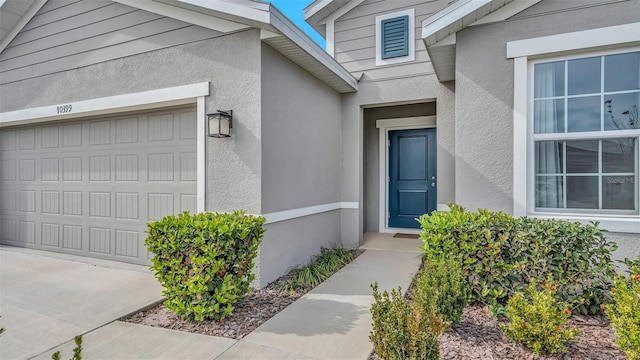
x: 63, y: 109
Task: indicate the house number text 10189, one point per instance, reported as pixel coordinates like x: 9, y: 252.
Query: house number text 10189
x: 63, y: 109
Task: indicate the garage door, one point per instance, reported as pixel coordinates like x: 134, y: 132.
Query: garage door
x: 89, y: 187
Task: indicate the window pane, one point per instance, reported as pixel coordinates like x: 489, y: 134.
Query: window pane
x: 549, y: 79
x: 584, y: 114
x: 621, y: 111
x: 582, y: 192
x: 618, y: 155
x: 618, y: 192
x: 548, y: 116
x: 549, y: 192
x: 549, y: 157
x: 622, y: 72
x: 582, y: 156
x: 584, y: 76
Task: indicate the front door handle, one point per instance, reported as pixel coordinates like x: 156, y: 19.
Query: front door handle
x: 433, y: 184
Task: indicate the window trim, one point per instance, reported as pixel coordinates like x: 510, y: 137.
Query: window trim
x: 525, y: 53
x: 412, y: 38
x: 575, y: 136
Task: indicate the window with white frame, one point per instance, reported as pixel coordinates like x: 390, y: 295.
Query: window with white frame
x: 395, y: 37
x: 586, y: 134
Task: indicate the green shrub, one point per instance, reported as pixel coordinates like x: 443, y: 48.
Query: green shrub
x: 321, y: 267
x: 204, y: 261
x: 624, y: 312
x: 403, y: 330
x: 440, y: 286
x: 538, y: 321
x: 500, y: 254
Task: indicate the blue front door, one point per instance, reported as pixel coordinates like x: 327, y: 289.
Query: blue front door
x: 412, y: 176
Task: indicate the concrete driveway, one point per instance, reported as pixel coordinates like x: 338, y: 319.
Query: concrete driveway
x: 46, y: 299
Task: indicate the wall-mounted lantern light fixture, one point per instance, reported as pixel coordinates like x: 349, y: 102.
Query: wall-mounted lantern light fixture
x: 220, y: 124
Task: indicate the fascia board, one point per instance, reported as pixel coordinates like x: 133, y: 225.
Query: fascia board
x: 30, y: 13
x: 292, y: 32
x: 449, y: 15
x: 314, y: 7
x: 342, y: 11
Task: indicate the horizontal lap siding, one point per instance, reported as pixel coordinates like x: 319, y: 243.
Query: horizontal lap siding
x: 355, y: 41
x: 559, y: 6
x: 69, y: 34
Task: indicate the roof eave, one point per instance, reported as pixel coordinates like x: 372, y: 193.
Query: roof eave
x: 229, y: 16
x: 439, y: 30
x: 310, y: 56
x: 20, y: 23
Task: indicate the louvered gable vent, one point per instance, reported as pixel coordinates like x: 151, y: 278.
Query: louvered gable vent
x: 395, y: 37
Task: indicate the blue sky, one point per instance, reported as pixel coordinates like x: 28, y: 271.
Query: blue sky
x: 294, y: 11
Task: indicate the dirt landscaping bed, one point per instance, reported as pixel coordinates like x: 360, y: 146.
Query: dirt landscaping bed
x: 258, y: 307
x: 478, y: 336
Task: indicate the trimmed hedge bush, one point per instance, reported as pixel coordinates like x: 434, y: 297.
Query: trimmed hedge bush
x: 204, y: 261
x: 624, y: 312
x: 440, y: 286
x: 501, y: 254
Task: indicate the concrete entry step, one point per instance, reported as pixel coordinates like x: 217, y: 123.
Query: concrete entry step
x: 387, y: 242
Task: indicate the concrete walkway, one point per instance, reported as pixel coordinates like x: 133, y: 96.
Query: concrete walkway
x: 47, y: 298
x: 330, y: 322
x: 333, y: 320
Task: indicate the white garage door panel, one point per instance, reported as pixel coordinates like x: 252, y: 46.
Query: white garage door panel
x: 89, y: 187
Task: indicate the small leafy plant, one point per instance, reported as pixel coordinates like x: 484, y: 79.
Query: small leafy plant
x: 77, y: 351
x: 204, y: 261
x: 538, y: 321
x: 624, y: 312
x: 403, y: 330
x: 321, y: 267
x: 441, y: 287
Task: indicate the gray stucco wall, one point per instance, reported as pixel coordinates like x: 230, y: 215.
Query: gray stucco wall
x: 301, y: 132
x: 484, y: 93
x: 292, y: 242
x: 231, y: 64
x: 300, y: 162
x: 484, y: 98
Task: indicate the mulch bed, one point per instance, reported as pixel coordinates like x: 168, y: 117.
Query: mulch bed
x: 258, y: 307
x: 478, y: 336
x: 248, y: 314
